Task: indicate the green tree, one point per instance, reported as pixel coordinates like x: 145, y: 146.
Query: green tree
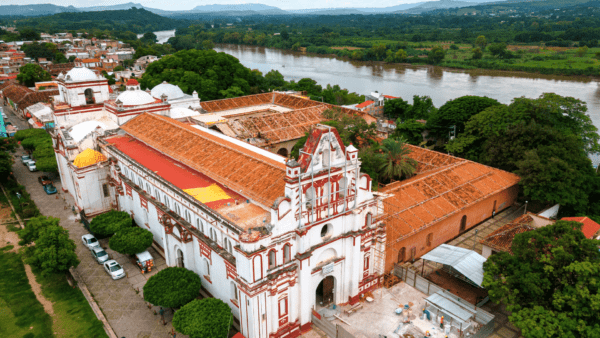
x: 400, y: 55
x: 130, y: 241
x: 47, y: 164
x: 33, y: 228
x: 207, y: 45
x: 204, y: 318
x: 274, y: 79
x: 28, y: 34
x: 72, y: 58
x: 410, y: 130
x: 285, y: 35
x: 549, y: 282
x: 436, y: 55
x: 457, y: 112
x: 497, y: 48
x: 54, y: 251
x: 149, y: 37
x: 371, y: 160
x: 60, y: 58
x: 172, y: 287
x: 397, y: 163
x: 32, y: 73
x: 231, y: 92
x: 378, y: 50
x: 397, y: 109
x: 6, y: 162
x: 108, y: 223
x: 477, y: 54
x: 481, y: 42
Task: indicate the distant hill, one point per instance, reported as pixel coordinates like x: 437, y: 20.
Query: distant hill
x: 34, y: 10
x: 234, y: 7
x: 435, y: 5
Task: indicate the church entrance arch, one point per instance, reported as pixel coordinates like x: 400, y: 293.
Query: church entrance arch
x: 283, y: 152
x: 325, y: 291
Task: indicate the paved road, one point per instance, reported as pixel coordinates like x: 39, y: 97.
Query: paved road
x: 124, y: 308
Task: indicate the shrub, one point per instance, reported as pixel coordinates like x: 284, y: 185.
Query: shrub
x: 26, y: 133
x: 107, y: 224
x: 54, y: 251
x: 172, y: 287
x: 203, y: 318
x: 130, y: 241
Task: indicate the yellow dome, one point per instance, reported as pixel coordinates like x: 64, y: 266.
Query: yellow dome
x: 88, y: 157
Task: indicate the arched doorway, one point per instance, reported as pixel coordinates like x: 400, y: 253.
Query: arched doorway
x: 180, y: 259
x: 89, y: 96
x: 325, y: 291
x: 463, y: 224
x: 402, y: 255
x: 283, y: 152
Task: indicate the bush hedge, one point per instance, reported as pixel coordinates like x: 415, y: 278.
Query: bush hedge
x: 172, y: 287
x: 109, y: 223
x: 130, y: 241
x: 203, y: 318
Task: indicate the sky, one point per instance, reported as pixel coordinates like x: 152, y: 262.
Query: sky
x: 189, y: 4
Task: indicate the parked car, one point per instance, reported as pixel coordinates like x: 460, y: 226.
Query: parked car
x: 114, y: 269
x: 50, y: 189
x: 25, y: 159
x: 31, y: 166
x: 90, y: 241
x: 44, y: 180
x: 145, y: 261
x: 99, y: 254
x: 4, y: 115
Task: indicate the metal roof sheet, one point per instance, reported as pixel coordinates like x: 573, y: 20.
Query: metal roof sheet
x: 467, y: 262
x: 454, y: 309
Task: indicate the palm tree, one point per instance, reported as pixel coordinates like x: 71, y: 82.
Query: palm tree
x: 397, y: 164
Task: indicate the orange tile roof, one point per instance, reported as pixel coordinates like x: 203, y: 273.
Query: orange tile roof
x: 132, y: 82
x: 365, y: 104
x: 238, y: 102
x: 281, y: 126
x: 443, y: 186
x: 502, y: 238
x: 90, y: 60
x: 589, y: 229
x: 258, y: 177
x: 390, y: 97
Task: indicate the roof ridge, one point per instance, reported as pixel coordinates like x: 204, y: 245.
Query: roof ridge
x: 200, y: 133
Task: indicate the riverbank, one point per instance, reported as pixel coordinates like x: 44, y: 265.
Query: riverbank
x: 561, y: 61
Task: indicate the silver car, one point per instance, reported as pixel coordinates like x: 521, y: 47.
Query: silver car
x: 90, y: 241
x: 114, y: 269
x: 31, y: 166
x: 99, y: 254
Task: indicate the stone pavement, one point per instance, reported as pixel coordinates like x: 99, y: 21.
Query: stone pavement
x: 470, y: 240
x: 123, y: 306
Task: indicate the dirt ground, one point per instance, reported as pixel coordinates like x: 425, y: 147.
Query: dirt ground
x: 458, y: 287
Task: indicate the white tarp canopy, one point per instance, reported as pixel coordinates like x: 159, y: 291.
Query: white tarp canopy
x: 466, y: 262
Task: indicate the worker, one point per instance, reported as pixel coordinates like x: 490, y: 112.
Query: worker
x: 442, y: 322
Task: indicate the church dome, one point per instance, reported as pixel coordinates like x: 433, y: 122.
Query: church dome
x: 87, y: 158
x: 171, y: 91
x: 81, y: 74
x: 135, y: 98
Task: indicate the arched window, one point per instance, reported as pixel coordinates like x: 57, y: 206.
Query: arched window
x: 166, y: 201
x: 283, y: 152
x: 326, y: 230
x: 342, y: 187
x: 206, y: 268
x: 272, y: 259
x: 310, y: 196
x: 234, y: 292
x: 429, y: 239
x: 177, y: 209
x: 369, y: 219
x: 157, y: 194
x: 188, y: 216
x: 140, y: 183
x: 89, y: 96
x: 326, y: 192
x: 286, y: 253
x: 213, y: 234
x: 148, y: 188
x: 200, y: 225
x: 227, y: 244
x: 463, y: 224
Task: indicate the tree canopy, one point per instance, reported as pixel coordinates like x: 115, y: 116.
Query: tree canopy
x: 32, y: 73
x: 108, y: 223
x: 457, y: 112
x: 130, y: 241
x: 34, y: 227
x: 204, y: 318
x: 172, y: 287
x: 54, y: 251
x: 550, y: 282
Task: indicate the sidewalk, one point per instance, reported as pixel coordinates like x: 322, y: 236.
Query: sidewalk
x: 124, y: 308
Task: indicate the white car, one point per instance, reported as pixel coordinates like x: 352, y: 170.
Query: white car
x: 90, y: 241
x: 99, y: 254
x: 114, y: 269
x: 31, y: 166
x: 4, y: 116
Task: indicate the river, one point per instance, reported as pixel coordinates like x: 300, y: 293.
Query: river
x: 405, y: 80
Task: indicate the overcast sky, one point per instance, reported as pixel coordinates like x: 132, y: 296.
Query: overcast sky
x: 189, y: 4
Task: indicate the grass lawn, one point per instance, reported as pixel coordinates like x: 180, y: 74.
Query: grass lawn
x: 74, y: 316
x: 21, y: 315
